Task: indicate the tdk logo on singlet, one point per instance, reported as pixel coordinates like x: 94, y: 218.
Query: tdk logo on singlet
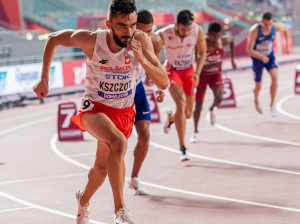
x: 118, y: 77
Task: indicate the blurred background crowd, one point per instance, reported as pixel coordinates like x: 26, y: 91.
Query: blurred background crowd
x: 26, y: 24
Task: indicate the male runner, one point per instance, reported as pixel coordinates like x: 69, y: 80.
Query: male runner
x: 143, y: 117
x: 180, y: 41
x: 260, y: 48
x: 212, y: 72
x: 107, y: 110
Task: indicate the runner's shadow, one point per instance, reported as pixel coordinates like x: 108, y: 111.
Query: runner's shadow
x: 183, y: 202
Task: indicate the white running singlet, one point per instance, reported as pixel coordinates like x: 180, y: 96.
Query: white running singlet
x: 179, y: 54
x: 111, y: 77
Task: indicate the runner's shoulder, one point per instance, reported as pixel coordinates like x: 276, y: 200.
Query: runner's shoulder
x: 140, y: 35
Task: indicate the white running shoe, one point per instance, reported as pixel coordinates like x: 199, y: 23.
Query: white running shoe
x: 83, y: 212
x: 137, y: 186
x: 194, y: 137
x: 273, y: 111
x: 123, y: 217
x: 258, y: 108
x: 167, y: 126
x: 184, y: 156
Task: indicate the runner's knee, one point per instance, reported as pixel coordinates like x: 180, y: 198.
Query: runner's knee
x: 98, y: 169
x: 180, y: 106
x: 257, y: 86
x: 198, y: 107
x: 118, y: 144
x: 219, y: 95
x: 188, y: 113
x: 144, y: 134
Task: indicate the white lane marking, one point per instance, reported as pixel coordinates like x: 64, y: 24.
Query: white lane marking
x: 220, y: 160
x: 82, y: 154
x: 40, y: 178
x: 225, y: 161
x: 10, y: 197
x: 10, y: 138
x: 221, y: 198
x: 253, y: 136
x: 280, y: 110
x: 26, y: 124
x: 31, y: 114
x: 64, y: 157
x: 250, y: 135
x: 14, y: 209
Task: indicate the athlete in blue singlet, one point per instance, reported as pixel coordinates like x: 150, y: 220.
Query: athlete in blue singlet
x: 143, y: 116
x: 260, y: 48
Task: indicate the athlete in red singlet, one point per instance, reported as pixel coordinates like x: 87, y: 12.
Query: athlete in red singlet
x: 212, y: 72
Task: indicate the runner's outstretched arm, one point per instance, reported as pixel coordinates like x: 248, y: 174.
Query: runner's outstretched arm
x: 67, y: 38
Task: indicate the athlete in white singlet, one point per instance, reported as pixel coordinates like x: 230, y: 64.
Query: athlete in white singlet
x: 180, y: 41
x: 107, y: 111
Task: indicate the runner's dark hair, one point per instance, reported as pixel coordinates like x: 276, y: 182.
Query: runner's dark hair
x: 144, y: 16
x: 268, y: 16
x: 120, y: 7
x: 185, y: 17
x: 214, y: 27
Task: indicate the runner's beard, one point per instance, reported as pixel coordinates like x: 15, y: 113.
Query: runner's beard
x: 180, y: 34
x: 118, y: 40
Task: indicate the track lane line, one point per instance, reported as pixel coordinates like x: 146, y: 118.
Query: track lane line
x: 40, y: 178
x: 14, y: 209
x: 64, y: 157
x: 42, y: 208
x: 26, y: 124
x: 280, y: 110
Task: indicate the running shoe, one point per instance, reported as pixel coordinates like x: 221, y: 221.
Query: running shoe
x: 184, y: 156
x: 273, y: 111
x: 258, y: 108
x: 123, y: 217
x: 194, y: 137
x: 83, y: 212
x: 167, y: 126
x: 137, y: 186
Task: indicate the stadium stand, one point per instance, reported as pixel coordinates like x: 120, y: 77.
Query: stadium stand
x: 23, y: 44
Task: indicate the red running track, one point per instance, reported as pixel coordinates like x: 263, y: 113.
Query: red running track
x: 244, y: 170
